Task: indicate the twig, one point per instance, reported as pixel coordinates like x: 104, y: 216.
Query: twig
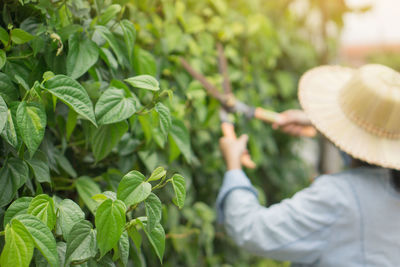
x: 223, y: 69
x: 207, y: 85
x: 183, y: 235
x: 20, y: 57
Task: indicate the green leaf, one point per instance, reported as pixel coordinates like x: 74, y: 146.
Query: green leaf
x: 105, y: 195
x: 144, y: 62
x: 129, y: 36
x: 165, y: 118
x: 3, y: 58
x: 4, y: 36
x: 64, y: 163
x: 82, y: 55
x: 178, y: 182
x: 3, y: 114
x: 7, y: 89
x: 180, y: 135
x: 40, y: 166
x: 69, y: 214
x: 42, y: 237
x: 133, y: 188
x: 109, y: 14
x: 157, y: 174
x: 123, y: 248
x: 114, y: 106
x: 19, y: 36
x: 108, y: 57
x: 41, y: 261
x: 136, y: 237
x: 9, y: 132
x: 87, y: 188
x: 18, y: 250
x: 152, y: 206
x: 42, y: 206
x: 110, y: 38
x: 81, y: 242
x: 31, y: 121
x: 19, y: 206
x: 71, y: 122
x: 72, y: 94
x: 144, y: 82
x: 157, y: 239
x: 174, y: 150
x: 110, y: 222
x: 106, y: 137
x: 13, y: 175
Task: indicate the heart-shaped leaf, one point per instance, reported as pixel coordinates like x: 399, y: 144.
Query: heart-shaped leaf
x: 87, y: 188
x: 178, y: 182
x: 133, y: 188
x: 144, y: 82
x: 82, y: 54
x: 42, y: 206
x: 157, y: 174
x: 19, y: 206
x: 129, y: 36
x: 164, y: 117
x: 152, y: 206
x: 20, y: 36
x: 110, y: 222
x: 114, y: 106
x: 81, y: 242
x: 31, y: 121
x: 180, y: 135
x: 42, y: 237
x: 13, y: 175
x: 10, y: 132
x: 69, y: 214
x: 106, y: 137
x: 18, y: 249
x: 73, y: 94
x: 40, y: 166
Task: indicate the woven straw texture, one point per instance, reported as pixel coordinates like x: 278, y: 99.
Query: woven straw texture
x: 319, y: 95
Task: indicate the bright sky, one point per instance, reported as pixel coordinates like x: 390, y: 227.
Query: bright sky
x: 381, y: 25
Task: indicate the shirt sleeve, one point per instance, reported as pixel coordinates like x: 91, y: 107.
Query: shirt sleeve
x: 233, y: 179
x: 296, y: 229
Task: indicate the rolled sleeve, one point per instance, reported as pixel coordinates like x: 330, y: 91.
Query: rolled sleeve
x: 233, y: 179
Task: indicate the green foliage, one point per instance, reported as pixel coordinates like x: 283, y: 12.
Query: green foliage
x: 66, y: 110
x: 95, y: 101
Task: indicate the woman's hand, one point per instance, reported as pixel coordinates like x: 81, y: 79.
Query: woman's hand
x: 232, y: 149
x: 293, y: 122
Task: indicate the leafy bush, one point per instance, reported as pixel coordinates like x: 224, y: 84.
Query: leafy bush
x: 58, y: 136
x: 94, y: 99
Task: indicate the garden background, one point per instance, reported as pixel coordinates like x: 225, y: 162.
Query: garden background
x: 94, y: 100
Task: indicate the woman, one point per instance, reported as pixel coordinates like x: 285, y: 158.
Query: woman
x: 347, y: 219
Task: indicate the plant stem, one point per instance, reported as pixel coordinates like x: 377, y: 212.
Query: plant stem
x: 131, y: 208
x: 183, y: 235
x: 20, y: 57
x: 161, y: 185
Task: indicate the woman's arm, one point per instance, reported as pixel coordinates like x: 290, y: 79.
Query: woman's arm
x: 296, y: 229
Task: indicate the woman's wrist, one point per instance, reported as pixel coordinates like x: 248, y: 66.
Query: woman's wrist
x: 233, y: 166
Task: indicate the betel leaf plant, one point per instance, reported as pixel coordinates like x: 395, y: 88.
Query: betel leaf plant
x: 80, y: 109
x: 57, y: 227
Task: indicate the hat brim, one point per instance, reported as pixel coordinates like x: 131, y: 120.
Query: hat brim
x: 318, y: 95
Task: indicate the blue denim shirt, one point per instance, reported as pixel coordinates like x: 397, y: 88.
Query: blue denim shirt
x: 347, y: 219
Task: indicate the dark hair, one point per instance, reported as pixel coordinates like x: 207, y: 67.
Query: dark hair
x: 395, y: 174
x: 395, y: 179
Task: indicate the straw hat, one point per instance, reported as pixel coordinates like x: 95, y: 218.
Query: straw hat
x: 357, y: 109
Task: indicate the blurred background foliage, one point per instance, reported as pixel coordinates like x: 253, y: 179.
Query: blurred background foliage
x: 269, y: 44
